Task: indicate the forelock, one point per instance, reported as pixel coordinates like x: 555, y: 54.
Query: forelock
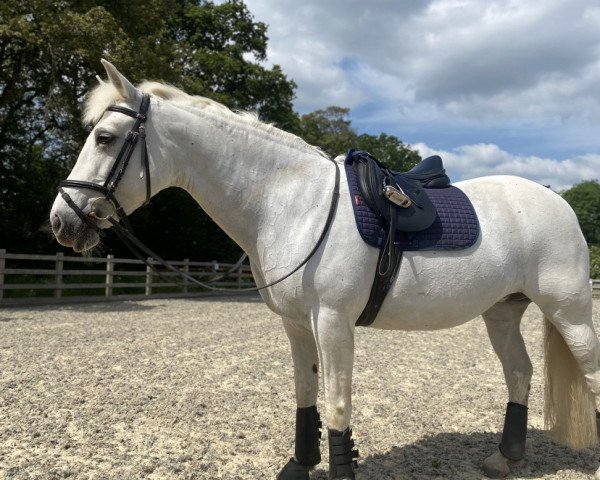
x: 98, y: 100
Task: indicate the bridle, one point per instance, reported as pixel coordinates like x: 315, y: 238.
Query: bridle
x: 137, y: 132
x: 104, y: 208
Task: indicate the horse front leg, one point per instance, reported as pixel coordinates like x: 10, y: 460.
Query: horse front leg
x: 335, y: 341
x: 306, y: 378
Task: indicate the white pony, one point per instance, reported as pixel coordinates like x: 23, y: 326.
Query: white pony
x: 270, y: 191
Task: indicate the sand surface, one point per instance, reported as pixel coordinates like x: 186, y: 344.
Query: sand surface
x: 203, y: 389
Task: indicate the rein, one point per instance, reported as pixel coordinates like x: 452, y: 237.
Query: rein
x: 121, y: 225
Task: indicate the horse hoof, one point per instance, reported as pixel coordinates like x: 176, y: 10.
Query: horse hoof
x: 597, y: 475
x: 497, y: 466
x: 293, y: 471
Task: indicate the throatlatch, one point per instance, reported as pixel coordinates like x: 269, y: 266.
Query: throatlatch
x: 514, y: 433
x: 307, y: 452
x: 342, y: 456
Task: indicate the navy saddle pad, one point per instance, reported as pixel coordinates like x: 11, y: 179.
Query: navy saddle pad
x: 455, y: 226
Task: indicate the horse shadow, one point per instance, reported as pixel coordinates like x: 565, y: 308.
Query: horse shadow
x: 460, y: 456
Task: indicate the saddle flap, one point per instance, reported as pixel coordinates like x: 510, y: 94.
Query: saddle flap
x: 421, y: 214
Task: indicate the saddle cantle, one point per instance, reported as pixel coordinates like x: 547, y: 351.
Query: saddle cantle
x: 399, y: 197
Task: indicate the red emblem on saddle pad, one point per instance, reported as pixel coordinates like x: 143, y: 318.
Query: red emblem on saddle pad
x: 357, y: 200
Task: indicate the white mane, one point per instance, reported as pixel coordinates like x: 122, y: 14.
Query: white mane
x: 105, y: 94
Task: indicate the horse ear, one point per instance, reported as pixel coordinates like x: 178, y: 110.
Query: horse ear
x: 123, y: 86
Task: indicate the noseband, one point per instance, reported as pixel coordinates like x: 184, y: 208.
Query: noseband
x: 124, y: 232
x: 137, y: 132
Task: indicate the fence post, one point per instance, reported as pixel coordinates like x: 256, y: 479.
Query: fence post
x: 239, y: 277
x: 149, y: 277
x: 186, y: 269
x: 2, y: 267
x: 59, y: 274
x: 110, y: 267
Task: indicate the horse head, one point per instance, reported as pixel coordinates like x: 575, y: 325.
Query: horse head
x: 111, y: 177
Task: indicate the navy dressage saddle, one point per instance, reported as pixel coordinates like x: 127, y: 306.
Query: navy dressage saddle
x: 400, y: 197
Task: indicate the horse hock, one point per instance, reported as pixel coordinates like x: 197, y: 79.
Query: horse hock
x: 307, y: 453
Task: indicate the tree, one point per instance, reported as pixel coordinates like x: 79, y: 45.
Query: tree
x: 331, y: 130
x: 328, y: 129
x: 390, y: 150
x: 49, y: 56
x: 584, y: 198
x: 595, y: 262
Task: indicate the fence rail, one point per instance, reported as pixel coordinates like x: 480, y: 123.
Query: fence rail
x: 35, y: 279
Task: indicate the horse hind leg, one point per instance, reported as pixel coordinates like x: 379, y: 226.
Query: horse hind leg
x: 503, y: 322
x: 572, y: 352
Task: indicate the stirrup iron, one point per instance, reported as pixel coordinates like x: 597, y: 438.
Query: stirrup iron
x: 397, y: 196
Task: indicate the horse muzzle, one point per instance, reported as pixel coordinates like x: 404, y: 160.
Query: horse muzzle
x: 71, y: 232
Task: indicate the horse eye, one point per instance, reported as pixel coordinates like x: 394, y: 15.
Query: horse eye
x: 104, y: 138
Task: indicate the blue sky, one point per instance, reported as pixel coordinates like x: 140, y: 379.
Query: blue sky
x: 494, y: 87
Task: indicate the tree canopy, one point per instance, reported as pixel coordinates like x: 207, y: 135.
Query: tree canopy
x: 331, y: 130
x: 49, y: 58
x: 584, y: 198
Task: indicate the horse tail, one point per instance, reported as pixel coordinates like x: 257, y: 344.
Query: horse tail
x: 569, y: 410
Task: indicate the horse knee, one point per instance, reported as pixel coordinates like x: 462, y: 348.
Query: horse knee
x: 338, y: 416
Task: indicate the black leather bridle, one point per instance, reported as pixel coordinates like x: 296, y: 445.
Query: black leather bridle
x: 137, y: 132
x: 104, y: 208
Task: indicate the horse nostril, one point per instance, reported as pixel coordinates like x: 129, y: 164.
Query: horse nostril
x: 56, y: 223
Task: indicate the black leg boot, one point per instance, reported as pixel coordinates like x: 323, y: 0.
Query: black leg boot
x: 307, y: 451
x: 514, y: 433
x: 342, y: 455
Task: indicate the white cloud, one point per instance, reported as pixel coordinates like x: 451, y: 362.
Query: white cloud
x: 471, y: 161
x: 466, y: 56
x: 517, y: 76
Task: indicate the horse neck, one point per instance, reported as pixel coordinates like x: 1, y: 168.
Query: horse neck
x: 264, y: 188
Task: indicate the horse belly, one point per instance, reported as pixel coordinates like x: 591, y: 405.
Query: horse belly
x: 425, y: 312
x: 432, y: 293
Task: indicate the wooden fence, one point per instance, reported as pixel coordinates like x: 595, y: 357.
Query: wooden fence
x: 37, y: 279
